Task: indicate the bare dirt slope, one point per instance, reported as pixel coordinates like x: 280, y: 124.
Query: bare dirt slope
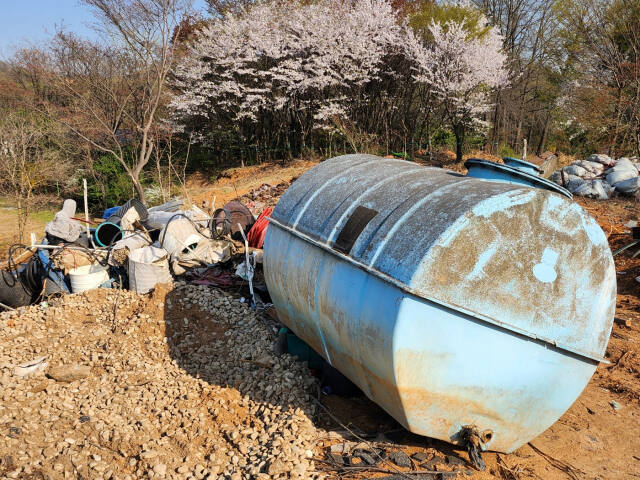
x: 235, y: 182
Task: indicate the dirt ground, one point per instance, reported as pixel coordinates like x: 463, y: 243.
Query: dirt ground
x: 235, y: 182
x: 597, y: 438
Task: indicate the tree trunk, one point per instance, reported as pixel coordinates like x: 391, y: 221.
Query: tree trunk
x: 494, y: 135
x: 458, y: 131
x: 543, y: 137
x: 139, y: 190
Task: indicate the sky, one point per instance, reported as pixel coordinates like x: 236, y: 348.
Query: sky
x: 32, y: 22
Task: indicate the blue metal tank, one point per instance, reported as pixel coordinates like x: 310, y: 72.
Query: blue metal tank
x: 452, y: 301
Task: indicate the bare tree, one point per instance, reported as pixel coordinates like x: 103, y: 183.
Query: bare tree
x: 32, y: 155
x: 116, y: 90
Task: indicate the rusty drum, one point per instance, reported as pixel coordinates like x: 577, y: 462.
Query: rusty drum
x: 483, y: 300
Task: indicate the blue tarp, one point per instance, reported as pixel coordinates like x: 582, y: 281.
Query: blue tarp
x: 109, y: 211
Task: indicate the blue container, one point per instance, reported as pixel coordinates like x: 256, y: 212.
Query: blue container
x: 522, y: 165
x: 450, y: 300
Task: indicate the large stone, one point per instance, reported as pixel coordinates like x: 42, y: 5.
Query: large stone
x: 69, y: 373
x: 277, y: 467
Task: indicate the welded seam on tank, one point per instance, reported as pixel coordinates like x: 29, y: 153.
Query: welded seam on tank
x: 367, y: 192
x: 326, y: 185
x: 398, y: 224
x: 403, y: 286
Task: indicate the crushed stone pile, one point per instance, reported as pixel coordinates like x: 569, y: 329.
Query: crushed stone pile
x: 180, y: 383
x: 600, y: 176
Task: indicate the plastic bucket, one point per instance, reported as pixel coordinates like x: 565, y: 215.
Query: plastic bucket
x: 87, y: 277
x: 180, y: 236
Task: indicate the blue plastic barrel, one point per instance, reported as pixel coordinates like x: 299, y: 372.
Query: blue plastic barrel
x: 452, y: 301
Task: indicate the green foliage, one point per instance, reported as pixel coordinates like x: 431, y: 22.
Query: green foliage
x: 428, y: 11
x: 475, y: 141
x: 403, y: 155
x: 111, y: 186
x: 444, y: 138
x: 506, y: 151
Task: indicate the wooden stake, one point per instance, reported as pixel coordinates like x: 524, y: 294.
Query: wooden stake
x: 86, y: 207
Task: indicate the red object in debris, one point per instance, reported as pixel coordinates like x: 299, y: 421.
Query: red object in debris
x: 256, y: 235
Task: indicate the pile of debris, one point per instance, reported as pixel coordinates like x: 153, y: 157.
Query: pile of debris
x: 600, y: 176
x: 135, y: 248
x: 264, y: 196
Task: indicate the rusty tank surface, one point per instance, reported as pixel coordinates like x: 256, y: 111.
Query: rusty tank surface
x: 456, y: 302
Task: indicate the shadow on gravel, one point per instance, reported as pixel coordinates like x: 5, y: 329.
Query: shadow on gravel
x: 200, y: 342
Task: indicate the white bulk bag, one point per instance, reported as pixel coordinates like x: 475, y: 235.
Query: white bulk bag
x: 148, y: 266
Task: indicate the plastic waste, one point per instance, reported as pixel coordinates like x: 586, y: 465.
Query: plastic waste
x: 87, y: 277
x: 63, y: 226
x: 605, y: 160
x: 180, y: 236
x: 122, y: 248
x: 148, y: 266
x: 575, y: 170
x: 592, y: 189
x: 206, y: 252
x: 621, y: 171
x: 631, y: 185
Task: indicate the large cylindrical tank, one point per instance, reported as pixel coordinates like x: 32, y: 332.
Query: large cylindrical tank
x: 483, y: 300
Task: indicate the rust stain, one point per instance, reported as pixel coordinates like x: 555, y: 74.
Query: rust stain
x: 563, y: 303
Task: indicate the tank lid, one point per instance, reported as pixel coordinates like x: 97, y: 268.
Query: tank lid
x: 522, y: 164
x: 479, y: 168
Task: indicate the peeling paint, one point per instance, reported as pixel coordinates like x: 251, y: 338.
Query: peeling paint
x: 545, y: 270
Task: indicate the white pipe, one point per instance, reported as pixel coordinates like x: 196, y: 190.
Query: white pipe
x: 68, y: 247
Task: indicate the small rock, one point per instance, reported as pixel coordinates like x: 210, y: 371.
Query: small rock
x: 401, y: 459
x: 277, y: 467
x: 335, y: 458
x: 453, y: 460
x: 366, y: 457
x: 160, y: 469
x: 420, y: 456
x: 342, y: 447
x: 149, y: 454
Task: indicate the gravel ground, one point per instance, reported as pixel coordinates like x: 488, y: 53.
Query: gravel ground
x: 178, y: 384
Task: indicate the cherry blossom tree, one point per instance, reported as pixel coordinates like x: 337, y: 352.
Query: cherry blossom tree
x: 281, y: 70
x: 461, y: 67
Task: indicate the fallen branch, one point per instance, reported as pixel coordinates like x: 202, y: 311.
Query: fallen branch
x: 6, y: 306
x: 571, y: 471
